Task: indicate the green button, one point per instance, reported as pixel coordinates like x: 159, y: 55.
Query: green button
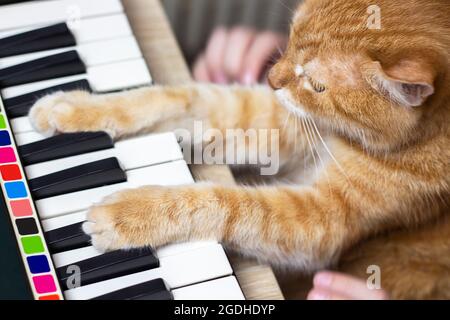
x: 2, y: 122
x: 32, y: 245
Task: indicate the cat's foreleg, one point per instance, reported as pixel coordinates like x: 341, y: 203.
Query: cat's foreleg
x: 119, y: 114
x: 302, y: 227
x: 253, y: 110
x: 279, y: 225
x: 130, y: 112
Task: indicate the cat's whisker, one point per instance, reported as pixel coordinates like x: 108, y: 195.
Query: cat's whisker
x: 309, y: 142
x: 286, y: 130
x: 364, y: 141
x: 313, y: 140
x: 280, y: 50
x: 341, y: 169
x: 295, y: 136
x: 288, y: 116
x: 314, y: 134
x: 286, y: 6
x: 358, y: 133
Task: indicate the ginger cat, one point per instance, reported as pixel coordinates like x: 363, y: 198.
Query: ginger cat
x: 380, y: 97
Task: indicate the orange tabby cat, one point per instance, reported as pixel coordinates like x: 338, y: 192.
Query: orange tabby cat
x: 379, y: 96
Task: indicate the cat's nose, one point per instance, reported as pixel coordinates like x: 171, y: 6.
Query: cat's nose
x: 274, y: 82
x: 277, y: 76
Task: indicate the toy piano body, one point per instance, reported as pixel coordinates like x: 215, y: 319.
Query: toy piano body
x: 48, y: 184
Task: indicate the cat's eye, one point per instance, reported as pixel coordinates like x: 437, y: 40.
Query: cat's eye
x: 317, y: 86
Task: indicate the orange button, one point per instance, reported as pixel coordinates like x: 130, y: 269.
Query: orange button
x: 50, y: 297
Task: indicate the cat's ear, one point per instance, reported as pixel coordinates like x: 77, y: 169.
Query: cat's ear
x: 409, y: 82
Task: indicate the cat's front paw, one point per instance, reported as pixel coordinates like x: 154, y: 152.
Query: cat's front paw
x: 64, y: 112
x: 135, y: 218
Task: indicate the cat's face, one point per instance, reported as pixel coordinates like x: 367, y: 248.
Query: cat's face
x: 371, y: 85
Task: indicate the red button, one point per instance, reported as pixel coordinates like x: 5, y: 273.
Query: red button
x: 10, y: 172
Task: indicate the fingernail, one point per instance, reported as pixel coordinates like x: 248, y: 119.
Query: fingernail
x: 248, y: 79
x: 318, y: 295
x: 323, y: 279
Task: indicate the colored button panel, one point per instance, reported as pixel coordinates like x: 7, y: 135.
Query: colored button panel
x: 27, y: 226
x: 10, y: 172
x: 2, y: 122
x: 16, y: 190
x: 21, y: 208
x: 7, y: 155
x: 32, y: 245
x: 44, y: 284
x: 38, y: 264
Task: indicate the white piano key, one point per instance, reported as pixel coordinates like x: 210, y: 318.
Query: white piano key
x: 15, y: 91
x: 89, y: 30
x: 46, y: 12
x: 44, y: 168
x: 220, y: 289
x: 132, y: 153
x: 21, y: 125
x: 123, y: 75
x: 92, y: 54
x: 63, y: 221
x: 168, y: 174
x: 73, y: 256
x: 28, y: 137
x: 100, y: 28
x: 178, y: 271
x: 103, y: 78
x: 178, y: 248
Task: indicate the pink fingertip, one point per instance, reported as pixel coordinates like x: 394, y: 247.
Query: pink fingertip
x: 323, y: 279
x: 248, y: 79
x: 318, y: 295
x: 220, y: 78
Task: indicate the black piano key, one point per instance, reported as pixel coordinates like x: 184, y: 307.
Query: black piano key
x: 20, y: 106
x: 64, y: 145
x: 151, y: 290
x: 108, y: 266
x: 87, y: 176
x: 158, y: 296
x: 67, y: 238
x: 46, y: 38
x: 55, y: 66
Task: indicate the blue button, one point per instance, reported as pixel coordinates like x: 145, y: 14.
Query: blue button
x: 5, y: 140
x: 38, y: 264
x: 16, y: 190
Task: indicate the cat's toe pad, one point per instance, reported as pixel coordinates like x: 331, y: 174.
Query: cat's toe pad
x: 41, y: 114
x: 52, y: 114
x: 57, y: 113
x: 101, y: 228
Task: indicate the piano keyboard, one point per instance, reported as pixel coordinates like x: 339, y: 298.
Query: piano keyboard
x: 48, y: 184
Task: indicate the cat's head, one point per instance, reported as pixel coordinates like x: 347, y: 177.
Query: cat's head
x: 370, y: 73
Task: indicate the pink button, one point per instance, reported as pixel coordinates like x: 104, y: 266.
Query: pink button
x: 21, y: 208
x: 7, y: 155
x: 44, y: 284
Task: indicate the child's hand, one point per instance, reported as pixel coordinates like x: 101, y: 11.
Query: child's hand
x: 238, y: 55
x: 337, y: 286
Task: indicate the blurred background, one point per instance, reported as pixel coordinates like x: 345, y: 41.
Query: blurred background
x: 194, y: 20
